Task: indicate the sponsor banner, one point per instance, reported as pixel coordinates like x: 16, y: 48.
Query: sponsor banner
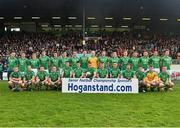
x: 175, y: 72
x: 98, y: 85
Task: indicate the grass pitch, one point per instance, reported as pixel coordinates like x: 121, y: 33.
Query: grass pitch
x: 50, y: 108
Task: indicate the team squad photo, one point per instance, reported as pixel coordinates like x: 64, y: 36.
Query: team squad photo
x: 90, y: 63
x: 46, y: 72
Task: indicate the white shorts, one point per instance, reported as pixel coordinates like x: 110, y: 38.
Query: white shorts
x: 156, y: 70
x: 47, y: 70
x: 60, y: 70
x: 35, y: 71
x: 170, y: 72
x: 22, y: 74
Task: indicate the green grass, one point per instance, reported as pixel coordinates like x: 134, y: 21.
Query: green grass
x: 57, y: 109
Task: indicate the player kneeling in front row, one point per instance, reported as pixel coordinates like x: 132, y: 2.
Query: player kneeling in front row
x: 78, y: 71
x: 102, y: 72
x: 165, y: 79
x: 15, y: 82
x: 28, y: 79
x: 140, y: 74
x: 128, y: 73
x: 54, y: 79
x: 41, y: 79
x: 115, y: 71
x: 152, y: 81
x: 90, y: 72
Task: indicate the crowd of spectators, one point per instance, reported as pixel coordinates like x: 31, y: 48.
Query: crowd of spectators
x: 115, y: 41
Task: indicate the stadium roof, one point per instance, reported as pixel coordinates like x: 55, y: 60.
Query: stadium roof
x: 106, y: 12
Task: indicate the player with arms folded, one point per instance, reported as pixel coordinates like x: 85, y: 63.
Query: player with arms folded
x: 55, y: 61
x: 134, y: 61
x: 84, y: 60
x: 34, y: 63
x: 93, y: 60
x: 166, y: 61
x: 22, y: 64
x: 155, y: 61
x: 124, y: 60
x: 144, y: 61
x: 12, y: 62
x: 113, y: 59
x: 44, y: 61
x: 103, y: 58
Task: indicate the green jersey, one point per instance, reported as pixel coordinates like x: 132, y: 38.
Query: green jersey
x: 166, y: 62
x: 12, y: 62
x: 144, y: 61
x: 124, y: 61
x: 67, y: 72
x: 44, y: 61
x: 90, y: 72
x: 22, y: 63
x: 78, y: 72
x: 113, y: 60
x: 140, y: 75
x: 42, y: 75
x: 102, y: 73
x: 28, y: 75
x: 15, y: 75
x: 164, y: 76
x: 84, y: 62
x: 115, y: 72
x: 1, y: 67
x: 154, y: 61
x: 103, y: 59
x: 74, y: 62
x: 134, y: 61
x: 55, y: 62
x: 34, y: 63
x: 54, y: 76
x: 63, y: 62
x: 128, y: 74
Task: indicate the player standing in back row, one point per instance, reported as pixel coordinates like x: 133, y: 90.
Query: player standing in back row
x: 44, y: 61
x: 166, y: 61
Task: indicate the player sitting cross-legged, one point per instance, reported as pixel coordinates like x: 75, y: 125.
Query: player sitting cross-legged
x: 54, y: 79
x: 41, y: 79
x: 29, y: 79
x: 15, y: 82
x: 151, y: 80
x: 165, y: 79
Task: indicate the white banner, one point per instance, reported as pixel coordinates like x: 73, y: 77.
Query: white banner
x: 74, y: 85
x: 175, y: 72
